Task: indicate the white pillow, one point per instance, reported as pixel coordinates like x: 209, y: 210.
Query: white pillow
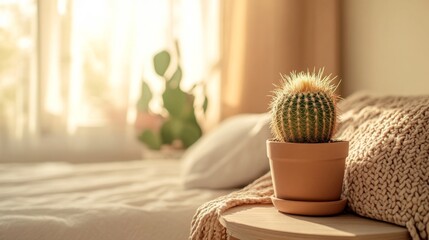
x: 232, y: 155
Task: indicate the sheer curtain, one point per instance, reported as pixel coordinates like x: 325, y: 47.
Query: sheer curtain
x: 71, y: 71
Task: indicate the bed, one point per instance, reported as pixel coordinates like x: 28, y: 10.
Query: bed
x: 122, y: 200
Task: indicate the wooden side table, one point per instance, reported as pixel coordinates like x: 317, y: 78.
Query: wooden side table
x: 264, y: 222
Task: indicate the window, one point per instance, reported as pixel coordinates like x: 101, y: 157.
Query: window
x: 71, y: 71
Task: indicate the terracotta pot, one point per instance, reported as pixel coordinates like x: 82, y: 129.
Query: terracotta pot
x: 307, y: 171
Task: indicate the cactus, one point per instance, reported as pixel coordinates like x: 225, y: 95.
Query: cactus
x: 303, y: 109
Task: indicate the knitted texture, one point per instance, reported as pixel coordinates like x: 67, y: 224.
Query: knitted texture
x: 387, y: 171
x: 205, y: 224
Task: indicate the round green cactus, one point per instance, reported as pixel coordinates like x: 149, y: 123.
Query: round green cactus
x: 303, y: 109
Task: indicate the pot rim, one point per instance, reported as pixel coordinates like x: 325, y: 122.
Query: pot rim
x: 307, y: 151
x: 272, y: 141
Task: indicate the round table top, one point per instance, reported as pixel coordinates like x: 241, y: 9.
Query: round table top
x: 256, y: 222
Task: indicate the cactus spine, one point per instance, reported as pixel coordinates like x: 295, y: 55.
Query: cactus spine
x: 304, y: 109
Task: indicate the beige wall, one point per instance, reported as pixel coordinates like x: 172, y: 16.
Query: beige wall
x: 386, y: 46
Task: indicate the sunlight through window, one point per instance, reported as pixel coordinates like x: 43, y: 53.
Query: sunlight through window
x: 71, y: 70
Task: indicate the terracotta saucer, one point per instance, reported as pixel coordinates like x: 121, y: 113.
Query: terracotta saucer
x: 309, y: 208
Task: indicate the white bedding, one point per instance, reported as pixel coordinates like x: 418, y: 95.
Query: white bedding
x: 121, y: 200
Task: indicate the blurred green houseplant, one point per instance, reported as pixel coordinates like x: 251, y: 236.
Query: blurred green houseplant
x: 178, y: 122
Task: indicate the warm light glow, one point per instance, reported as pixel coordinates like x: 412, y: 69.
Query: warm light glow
x: 91, y: 18
x: 62, y: 7
x: 92, y: 55
x: 236, y: 62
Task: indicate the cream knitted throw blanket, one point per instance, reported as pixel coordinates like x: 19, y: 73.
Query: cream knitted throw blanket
x: 387, y: 171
